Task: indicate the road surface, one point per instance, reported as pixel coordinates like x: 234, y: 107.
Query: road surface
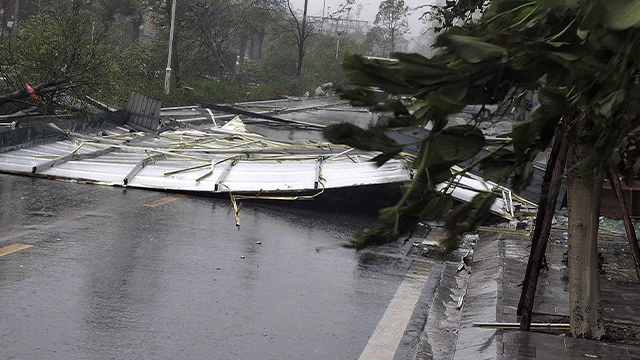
x: 98, y: 272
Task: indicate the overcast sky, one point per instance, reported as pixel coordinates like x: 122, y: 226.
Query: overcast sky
x: 365, y: 10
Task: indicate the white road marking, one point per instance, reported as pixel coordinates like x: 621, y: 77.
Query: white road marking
x: 164, y: 200
x: 386, y: 338
x: 13, y: 248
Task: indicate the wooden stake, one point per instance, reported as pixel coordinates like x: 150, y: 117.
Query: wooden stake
x: 539, y: 245
x: 614, y: 180
x: 543, y: 209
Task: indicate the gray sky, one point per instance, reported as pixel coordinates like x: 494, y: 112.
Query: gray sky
x: 365, y: 10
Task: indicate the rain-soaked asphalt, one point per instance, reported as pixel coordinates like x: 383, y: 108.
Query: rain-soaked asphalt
x: 110, y: 278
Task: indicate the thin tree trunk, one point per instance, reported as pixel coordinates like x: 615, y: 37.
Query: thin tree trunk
x: 242, y: 47
x: 393, y: 42
x: 614, y: 180
x: 545, y: 196
x: 539, y: 248
x: 261, y: 36
x: 137, y: 22
x: 300, y: 59
x: 302, y: 34
x: 16, y: 21
x: 585, y: 308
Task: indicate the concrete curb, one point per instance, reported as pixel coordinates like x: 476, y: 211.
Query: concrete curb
x: 482, y: 303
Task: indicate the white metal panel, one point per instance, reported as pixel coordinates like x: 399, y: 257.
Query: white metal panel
x: 159, y: 162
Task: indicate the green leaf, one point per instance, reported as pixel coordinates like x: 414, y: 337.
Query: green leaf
x: 424, y: 112
x: 471, y: 49
x: 444, y: 103
x: 553, y: 4
x: 523, y: 135
x: 523, y: 173
x: 607, y: 105
x: 436, y: 208
x: 539, y: 130
x: 396, y: 106
x: 499, y: 166
x: 636, y: 167
x: 372, y: 72
x: 467, y: 217
x: 372, y: 139
x: 454, y: 144
x: 372, y: 237
x: 357, y: 96
x: 620, y: 14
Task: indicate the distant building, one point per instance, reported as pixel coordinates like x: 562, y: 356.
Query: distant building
x: 7, y: 14
x: 148, y: 29
x: 339, y: 25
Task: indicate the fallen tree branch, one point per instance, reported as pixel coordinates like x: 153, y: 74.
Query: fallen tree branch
x: 45, y: 88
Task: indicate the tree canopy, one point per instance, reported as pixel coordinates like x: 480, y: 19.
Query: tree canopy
x: 392, y: 17
x: 579, y: 55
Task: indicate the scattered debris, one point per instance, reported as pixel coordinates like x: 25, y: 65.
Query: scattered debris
x: 516, y: 326
x: 467, y: 260
x: 460, y: 301
x: 107, y: 149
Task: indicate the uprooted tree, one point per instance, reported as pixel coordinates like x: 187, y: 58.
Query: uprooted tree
x: 580, y: 55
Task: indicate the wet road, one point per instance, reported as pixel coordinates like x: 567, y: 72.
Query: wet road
x: 108, y: 277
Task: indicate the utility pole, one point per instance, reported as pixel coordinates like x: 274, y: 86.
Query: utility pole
x: 16, y: 16
x: 167, y: 77
x: 324, y: 3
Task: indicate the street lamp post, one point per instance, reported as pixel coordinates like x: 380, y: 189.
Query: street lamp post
x: 167, y: 77
x: 14, y: 27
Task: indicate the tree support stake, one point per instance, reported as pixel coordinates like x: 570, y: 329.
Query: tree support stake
x: 614, y: 180
x: 543, y: 226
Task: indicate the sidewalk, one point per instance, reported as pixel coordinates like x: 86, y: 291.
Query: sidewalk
x: 492, y: 296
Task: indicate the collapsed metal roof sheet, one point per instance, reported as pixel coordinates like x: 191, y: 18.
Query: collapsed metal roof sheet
x: 191, y: 160
x: 260, y: 155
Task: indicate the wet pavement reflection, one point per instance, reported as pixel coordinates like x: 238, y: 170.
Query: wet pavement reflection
x: 110, y: 278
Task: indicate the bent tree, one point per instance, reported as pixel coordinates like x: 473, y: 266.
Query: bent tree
x: 580, y: 56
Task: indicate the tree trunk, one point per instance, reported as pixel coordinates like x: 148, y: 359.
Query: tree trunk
x: 261, y: 36
x: 136, y: 23
x: 586, y: 313
x: 242, y: 47
x: 302, y: 35
x: 393, y: 42
x: 16, y: 19
x: 300, y: 59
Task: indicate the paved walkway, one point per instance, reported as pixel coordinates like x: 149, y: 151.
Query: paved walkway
x: 493, y: 293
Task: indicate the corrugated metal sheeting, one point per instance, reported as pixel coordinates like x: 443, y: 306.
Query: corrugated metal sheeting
x: 291, y: 159
x: 191, y: 160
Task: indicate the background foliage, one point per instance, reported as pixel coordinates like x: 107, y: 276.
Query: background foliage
x: 97, y: 50
x: 581, y: 56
